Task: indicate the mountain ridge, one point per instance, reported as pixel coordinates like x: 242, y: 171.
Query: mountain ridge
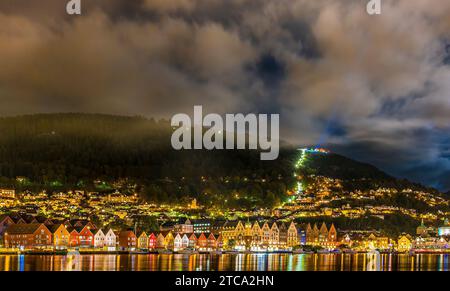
x: 76, y: 146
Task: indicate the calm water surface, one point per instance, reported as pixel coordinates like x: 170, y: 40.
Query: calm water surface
x: 227, y: 262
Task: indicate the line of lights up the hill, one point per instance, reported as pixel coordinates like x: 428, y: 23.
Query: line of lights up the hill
x: 301, y: 162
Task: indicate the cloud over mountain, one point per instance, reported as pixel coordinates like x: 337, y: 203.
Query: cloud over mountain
x: 372, y: 87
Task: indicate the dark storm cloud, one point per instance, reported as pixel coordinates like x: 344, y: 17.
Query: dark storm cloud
x: 373, y: 88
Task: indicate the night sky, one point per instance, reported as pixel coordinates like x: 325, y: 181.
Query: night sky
x: 374, y: 88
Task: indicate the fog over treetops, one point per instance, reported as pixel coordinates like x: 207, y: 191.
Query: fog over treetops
x: 373, y: 88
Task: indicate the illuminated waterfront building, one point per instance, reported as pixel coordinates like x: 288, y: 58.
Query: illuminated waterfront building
x: 142, y: 241
x: 332, y: 234
x: 185, y: 227
x: 404, y: 243
x: 375, y: 241
x: 99, y: 238
x: 233, y: 230
x: 283, y: 233
x: 202, y: 242
x: 60, y: 236
x: 110, y: 239
x: 201, y: 225
x: 274, y: 236
x: 177, y: 242
x: 266, y: 234
x: 212, y: 242
x: 256, y: 234
x: 169, y: 240
x: 127, y: 240
x: 192, y: 240
x: 27, y: 236
x: 248, y: 235
x: 323, y: 234
x: 152, y: 241
x: 160, y: 241
x: 323, y: 237
x: 185, y: 241
x: 86, y: 237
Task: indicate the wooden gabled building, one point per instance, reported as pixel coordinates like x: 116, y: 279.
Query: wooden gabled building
x: 60, y: 236
x: 28, y: 236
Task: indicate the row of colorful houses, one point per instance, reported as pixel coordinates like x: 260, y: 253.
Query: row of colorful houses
x: 34, y: 232
x: 270, y: 235
x: 38, y: 235
x: 18, y: 232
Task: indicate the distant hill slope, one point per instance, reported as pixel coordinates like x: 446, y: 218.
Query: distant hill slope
x: 71, y: 147
x: 337, y: 166
x: 356, y: 175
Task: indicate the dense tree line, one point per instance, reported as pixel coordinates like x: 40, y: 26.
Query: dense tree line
x: 66, y: 151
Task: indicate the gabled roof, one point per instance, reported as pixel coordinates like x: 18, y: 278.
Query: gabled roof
x: 28, y: 218
x: 111, y: 231
x: 4, y: 216
x: 265, y: 224
x: 142, y: 233
x: 81, y: 228
x: 256, y: 223
x: 166, y: 233
x: 54, y: 227
x: 96, y: 231
x: 71, y: 229
x: 202, y: 236
x: 17, y: 218
x: 323, y: 228
x: 42, y: 219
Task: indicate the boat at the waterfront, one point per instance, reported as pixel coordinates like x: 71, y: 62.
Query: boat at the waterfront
x: 164, y: 252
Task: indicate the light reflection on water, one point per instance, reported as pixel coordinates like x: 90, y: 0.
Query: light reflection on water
x: 227, y: 262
